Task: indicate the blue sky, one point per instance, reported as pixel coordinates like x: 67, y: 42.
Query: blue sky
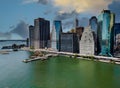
x: 17, y: 13
x: 13, y: 12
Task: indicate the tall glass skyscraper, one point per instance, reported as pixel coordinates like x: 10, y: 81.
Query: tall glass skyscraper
x: 106, y: 22
x: 56, y: 32
x: 93, y: 23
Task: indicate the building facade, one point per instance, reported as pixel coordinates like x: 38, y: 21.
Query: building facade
x: 42, y: 33
x: 79, y: 31
x: 118, y: 39
x: 86, y: 45
x: 116, y: 32
x: 69, y: 42
x: 106, y: 22
x: 56, y: 35
x: 31, y: 36
x: 93, y: 22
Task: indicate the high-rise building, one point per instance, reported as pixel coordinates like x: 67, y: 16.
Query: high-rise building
x: 116, y: 31
x: 31, y: 36
x: 93, y: 23
x: 86, y: 45
x: 118, y: 39
x: 117, y: 46
x: 41, y: 33
x: 94, y: 26
x: 69, y: 42
x: 105, y: 33
x: 56, y: 33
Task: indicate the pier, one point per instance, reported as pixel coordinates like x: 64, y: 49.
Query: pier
x: 40, y: 58
x: 90, y: 57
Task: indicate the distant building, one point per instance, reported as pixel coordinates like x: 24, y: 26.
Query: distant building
x: 106, y: 22
x: 56, y: 33
x: 69, y: 42
x: 87, y: 42
x: 116, y: 32
x: 94, y: 26
x: 42, y: 33
x: 76, y: 23
x: 118, y: 39
x: 79, y: 31
x: 117, y: 46
x: 31, y: 36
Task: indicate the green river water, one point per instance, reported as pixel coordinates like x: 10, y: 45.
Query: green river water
x: 57, y: 72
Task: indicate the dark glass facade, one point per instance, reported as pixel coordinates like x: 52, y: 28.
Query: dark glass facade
x: 31, y: 36
x: 93, y: 22
x: 42, y: 32
x: 69, y: 42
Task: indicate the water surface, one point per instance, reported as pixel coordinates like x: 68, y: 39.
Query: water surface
x: 58, y: 72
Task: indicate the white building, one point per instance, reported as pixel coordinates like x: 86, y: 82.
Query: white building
x: 86, y: 45
x: 53, y: 39
x: 117, y: 39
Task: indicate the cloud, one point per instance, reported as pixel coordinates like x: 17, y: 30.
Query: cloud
x: 6, y: 35
x: 82, y: 5
x: 67, y: 6
x: 70, y: 23
x: 21, y: 29
x: 36, y: 1
x: 63, y: 16
x: 115, y: 8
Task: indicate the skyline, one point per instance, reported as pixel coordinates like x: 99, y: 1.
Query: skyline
x: 18, y: 14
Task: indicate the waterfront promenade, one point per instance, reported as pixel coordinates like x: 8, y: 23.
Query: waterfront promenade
x: 81, y: 56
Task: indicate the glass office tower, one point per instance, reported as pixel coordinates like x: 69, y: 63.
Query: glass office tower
x: 56, y: 32
x: 105, y: 32
x: 93, y: 23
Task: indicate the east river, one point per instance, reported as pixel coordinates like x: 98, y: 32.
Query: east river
x: 57, y: 72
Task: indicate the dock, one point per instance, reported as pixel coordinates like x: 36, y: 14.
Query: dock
x: 40, y: 58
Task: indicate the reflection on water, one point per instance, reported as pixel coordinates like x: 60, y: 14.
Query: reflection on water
x: 58, y: 72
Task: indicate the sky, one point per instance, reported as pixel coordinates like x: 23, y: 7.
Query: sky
x: 17, y: 15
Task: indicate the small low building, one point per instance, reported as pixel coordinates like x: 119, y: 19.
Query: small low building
x: 86, y: 45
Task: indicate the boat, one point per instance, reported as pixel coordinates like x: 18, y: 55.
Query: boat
x: 15, y: 49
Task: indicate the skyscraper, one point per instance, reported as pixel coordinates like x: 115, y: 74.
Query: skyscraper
x: 56, y: 33
x: 116, y: 31
x: 41, y: 33
x: 106, y: 22
x: 93, y: 23
x: 31, y: 36
x: 94, y: 26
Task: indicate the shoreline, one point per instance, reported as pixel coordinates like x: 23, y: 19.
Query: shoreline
x: 79, y: 56
x: 67, y: 54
